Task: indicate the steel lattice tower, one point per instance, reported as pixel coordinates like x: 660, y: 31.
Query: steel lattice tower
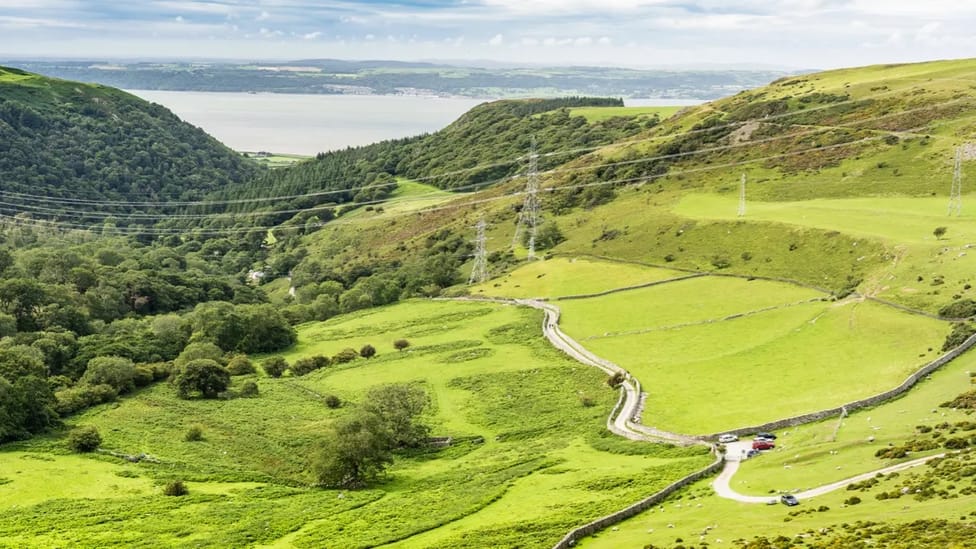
x: 531, y: 208
x: 479, y: 271
x: 742, y: 196
x: 955, y: 194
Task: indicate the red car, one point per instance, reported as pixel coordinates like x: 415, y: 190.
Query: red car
x: 763, y: 445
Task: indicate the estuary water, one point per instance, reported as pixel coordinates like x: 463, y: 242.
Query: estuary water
x: 309, y: 124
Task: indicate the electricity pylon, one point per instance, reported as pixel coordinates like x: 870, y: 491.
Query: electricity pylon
x: 479, y: 271
x: 531, y: 208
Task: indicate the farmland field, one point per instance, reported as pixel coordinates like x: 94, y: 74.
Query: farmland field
x: 561, y: 276
x: 694, y: 352
x: 527, y: 450
x: 808, y: 456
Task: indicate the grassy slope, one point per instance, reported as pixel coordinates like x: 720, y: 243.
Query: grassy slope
x: 599, y: 114
x: 679, y: 340
x: 808, y: 456
x: 543, y: 462
x: 562, y: 276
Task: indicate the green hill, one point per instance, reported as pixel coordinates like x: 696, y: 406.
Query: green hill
x: 834, y: 284
x: 65, y: 139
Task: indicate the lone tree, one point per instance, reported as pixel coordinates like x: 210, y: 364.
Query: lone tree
x: 939, y: 232
x: 203, y: 376
x: 360, y: 446
x: 401, y: 344
x: 368, y: 351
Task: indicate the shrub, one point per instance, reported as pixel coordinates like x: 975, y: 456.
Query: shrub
x: 144, y: 375
x: 240, y: 365
x: 853, y: 500
x: 586, y: 400
x: 960, y: 333
x: 308, y: 364
x: 175, y: 488
x: 78, y: 398
x: 368, y: 351
x: 345, y: 355
x: 615, y: 380
x: 956, y: 443
x: 961, y: 308
x: 275, y: 366
x: 84, y: 439
x: 203, y: 376
x: 193, y: 434
x: 116, y: 371
x: 333, y: 401
x: 249, y: 389
x: 401, y: 344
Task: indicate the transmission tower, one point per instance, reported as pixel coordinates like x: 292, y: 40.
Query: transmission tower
x: 955, y: 194
x: 742, y: 196
x: 531, y: 208
x: 479, y: 271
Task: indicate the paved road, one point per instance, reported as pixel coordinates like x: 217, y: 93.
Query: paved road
x: 723, y: 489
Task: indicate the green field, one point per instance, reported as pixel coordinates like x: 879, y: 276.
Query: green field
x: 599, y: 114
x: 276, y: 160
x: 808, y: 456
x: 561, y: 276
x: 788, y: 353
x: 542, y: 458
x: 923, y: 271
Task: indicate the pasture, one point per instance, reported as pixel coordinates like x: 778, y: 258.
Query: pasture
x: 565, y: 276
x: 599, y: 114
x: 809, y: 455
x: 717, y: 353
x: 530, y: 449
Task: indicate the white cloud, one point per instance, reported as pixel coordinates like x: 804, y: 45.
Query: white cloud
x: 263, y: 16
x: 496, y: 40
x: 604, y: 41
x: 583, y: 41
x: 312, y: 35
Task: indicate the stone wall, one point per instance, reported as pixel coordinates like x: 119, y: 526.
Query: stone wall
x: 599, y: 524
x: 857, y: 404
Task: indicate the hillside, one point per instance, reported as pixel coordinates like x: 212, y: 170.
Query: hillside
x: 798, y: 312
x: 63, y: 139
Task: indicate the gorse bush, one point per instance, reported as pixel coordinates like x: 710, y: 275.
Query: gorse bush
x: 175, y: 488
x: 84, y: 439
x: 240, y: 365
x: 275, y: 366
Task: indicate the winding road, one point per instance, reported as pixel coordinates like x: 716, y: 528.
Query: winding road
x: 722, y: 487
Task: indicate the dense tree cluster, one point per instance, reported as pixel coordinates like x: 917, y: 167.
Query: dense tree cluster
x: 82, y: 141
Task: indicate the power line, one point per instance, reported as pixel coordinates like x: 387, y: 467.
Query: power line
x: 139, y: 215
x: 26, y: 196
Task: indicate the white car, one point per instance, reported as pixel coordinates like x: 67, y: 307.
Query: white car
x: 726, y: 438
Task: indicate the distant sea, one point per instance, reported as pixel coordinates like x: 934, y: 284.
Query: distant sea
x: 309, y: 124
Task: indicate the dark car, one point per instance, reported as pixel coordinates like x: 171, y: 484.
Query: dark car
x: 762, y: 445
x: 789, y: 500
x: 753, y: 453
x: 767, y: 436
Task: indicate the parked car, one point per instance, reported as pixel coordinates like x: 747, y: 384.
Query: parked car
x: 789, y: 500
x: 728, y: 437
x: 769, y: 436
x: 753, y: 453
x: 762, y: 445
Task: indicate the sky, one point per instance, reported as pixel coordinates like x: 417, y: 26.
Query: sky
x: 802, y: 34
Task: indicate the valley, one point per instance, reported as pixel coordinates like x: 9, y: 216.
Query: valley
x: 835, y: 277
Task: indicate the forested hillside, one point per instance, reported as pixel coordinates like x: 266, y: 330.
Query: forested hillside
x: 90, y: 142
